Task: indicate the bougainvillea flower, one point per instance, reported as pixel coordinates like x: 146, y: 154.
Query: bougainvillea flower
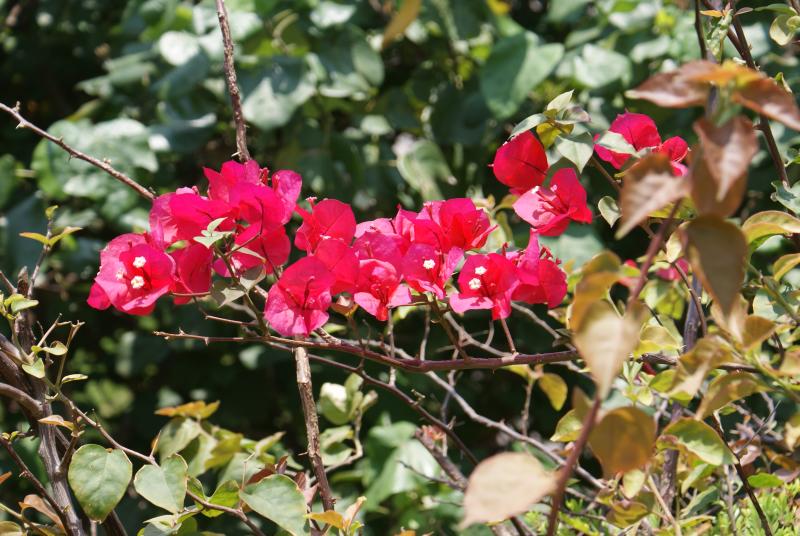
x: 427, y: 269
x: 452, y: 223
x: 550, y: 209
x: 232, y: 173
x: 133, y: 275
x: 192, y: 271
x: 520, y: 163
x: 287, y: 184
x: 540, y: 278
x: 380, y: 246
x: 328, y: 219
x: 641, y: 132
x: 379, y: 288
x: 670, y: 273
x: 298, y: 303
x: 182, y: 215
x: 402, y: 226
x: 257, y: 205
x: 486, y: 282
x: 341, y: 261
x: 259, y: 245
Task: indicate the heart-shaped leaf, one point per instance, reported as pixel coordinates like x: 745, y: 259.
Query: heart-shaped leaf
x: 99, y: 478
x: 164, y: 485
x: 278, y: 499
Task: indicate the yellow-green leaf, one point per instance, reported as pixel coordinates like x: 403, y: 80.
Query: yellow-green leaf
x: 784, y: 265
x: 623, y: 440
x: 769, y: 223
x: 555, y: 388
x: 568, y: 428
x: 725, y: 389
x: 697, y: 439
x: 328, y: 517
x: 605, y: 340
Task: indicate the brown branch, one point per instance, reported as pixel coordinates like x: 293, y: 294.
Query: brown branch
x: 100, y: 164
x: 28, y: 403
x: 698, y: 28
x: 572, y: 461
x: 27, y: 474
x: 312, y: 425
x: 233, y: 86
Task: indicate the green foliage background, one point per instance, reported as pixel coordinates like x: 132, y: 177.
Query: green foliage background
x: 140, y: 82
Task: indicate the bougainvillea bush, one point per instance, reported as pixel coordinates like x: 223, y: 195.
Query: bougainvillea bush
x: 598, y: 336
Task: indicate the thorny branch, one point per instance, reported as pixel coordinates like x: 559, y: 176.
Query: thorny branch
x: 233, y: 85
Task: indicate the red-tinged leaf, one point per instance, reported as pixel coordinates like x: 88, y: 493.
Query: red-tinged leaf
x: 38, y: 504
x: 766, y: 97
x: 648, y: 186
x: 704, y: 189
x: 716, y: 250
x: 676, y: 89
x: 728, y: 150
x: 487, y: 498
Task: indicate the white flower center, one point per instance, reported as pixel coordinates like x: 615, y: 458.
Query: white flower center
x: 137, y: 282
x: 139, y: 262
x: 120, y: 275
x: 429, y: 264
x: 480, y: 270
x: 474, y: 283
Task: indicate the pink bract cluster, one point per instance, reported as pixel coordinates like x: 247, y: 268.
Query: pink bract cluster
x: 437, y: 253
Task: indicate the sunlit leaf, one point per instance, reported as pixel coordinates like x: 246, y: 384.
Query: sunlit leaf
x: 278, y: 499
x: 99, y: 478
x: 487, y: 497
x: 623, y: 440
x: 697, y: 439
x: 164, y: 485
x: 728, y: 149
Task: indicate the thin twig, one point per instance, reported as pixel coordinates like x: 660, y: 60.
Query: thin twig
x: 233, y: 85
x: 101, y: 164
x: 572, y: 461
x: 743, y: 477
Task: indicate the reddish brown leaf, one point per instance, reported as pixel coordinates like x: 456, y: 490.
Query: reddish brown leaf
x: 727, y: 150
x: 5, y: 476
x: 38, y: 504
x: 766, y: 97
x: 705, y: 189
x: 677, y: 89
x: 648, y: 186
x: 716, y: 250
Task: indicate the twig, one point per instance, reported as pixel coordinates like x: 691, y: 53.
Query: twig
x: 652, y: 249
x: 663, y: 504
x: 233, y: 86
x: 566, y: 472
x: 40, y: 489
x: 28, y: 403
x: 744, y: 51
x: 743, y: 477
x: 698, y: 28
x: 101, y: 164
x: 312, y: 425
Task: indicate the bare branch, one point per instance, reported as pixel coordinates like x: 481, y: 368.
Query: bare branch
x: 233, y: 85
x: 101, y: 164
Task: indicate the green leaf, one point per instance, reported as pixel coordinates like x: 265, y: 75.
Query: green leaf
x: 515, y: 66
x: 73, y: 378
x: 695, y: 438
x: 789, y: 198
x: 36, y: 236
x: 423, y: 167
x: 784, y: 265
x: 164, y: 485
x: 273, y: 93
x: 577, y: 149
x: 764, y: 480
x: 609, y: 210
x: 614, y: 141
x: 278, y: 499
x: 530, y: 122
x: 99, y: 478
x: 568, y: 428
x: 768, y: 223
x: 333, y: 403
x: 784, y: 28
x: 35, y: 369
x: 18, y: 302
x: 727, y: 388
x: 596, y: 67
x: 227, y: 494
x: 561, y: 102
x: 174, y: 437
